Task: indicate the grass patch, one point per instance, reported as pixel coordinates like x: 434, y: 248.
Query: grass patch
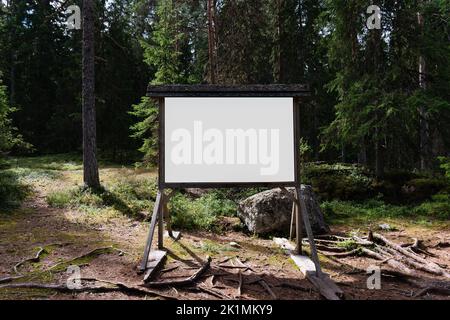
x: 201, y: 213
x: 12, y: 190
x: 127, y: 197
x: 352, y: 212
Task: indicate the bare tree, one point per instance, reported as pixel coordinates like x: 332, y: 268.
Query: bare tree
x: 90, y: 166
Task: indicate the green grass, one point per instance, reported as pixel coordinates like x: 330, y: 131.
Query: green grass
x: 344, y: 212
x: 12, y: 190
x: 127, y: 197
x: 200, y: 213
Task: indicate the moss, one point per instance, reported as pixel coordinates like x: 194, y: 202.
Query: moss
x: 215, y: 248
x: 435, y: 211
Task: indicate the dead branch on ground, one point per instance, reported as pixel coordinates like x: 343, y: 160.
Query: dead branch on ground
x: 183, y: 282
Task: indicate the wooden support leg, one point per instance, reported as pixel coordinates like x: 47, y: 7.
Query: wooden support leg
x: 309, y: 232
x: 161, y: 222
x: 293, y: 221
x: 166, y: 213
x: 148, y: 246
x: 298, y: 229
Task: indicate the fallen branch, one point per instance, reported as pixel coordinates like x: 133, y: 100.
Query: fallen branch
x: 213, y: 292
x: 116, y: 287
x: 342, y: 254
x: 400, y: 267
x: 427, y: 266
x: 183, y: 282
x: 433, y: 289
x: 10, y: 279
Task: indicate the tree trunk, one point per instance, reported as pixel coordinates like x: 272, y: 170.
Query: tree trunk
x: 90, y: 167
x: 278, y: 64
x: 211, y: 42
x: 362, y: 154
x: 12, y: 71
x: 379, y: 160
x: 425, y: 141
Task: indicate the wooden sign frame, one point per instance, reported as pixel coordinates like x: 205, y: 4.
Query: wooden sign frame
x: 151, y: 260
x: 161, y: 156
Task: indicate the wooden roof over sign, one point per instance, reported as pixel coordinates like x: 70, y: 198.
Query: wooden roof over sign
x: 207, y: 90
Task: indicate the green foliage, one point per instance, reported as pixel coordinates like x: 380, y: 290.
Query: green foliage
x: 9, y: 137
x: 163, y: 51
x: 12, y: 190
x: 147, y: 129
x: 200, y: 213
x: 128, y: 196
x: 438, y: 207
x: 445, y: 165
x: 338, y: 181
x: 423, y: 188
x: 342, y: 212
x: 59, y: 199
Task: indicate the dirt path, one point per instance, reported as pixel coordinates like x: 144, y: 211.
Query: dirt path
x: 69, y: 233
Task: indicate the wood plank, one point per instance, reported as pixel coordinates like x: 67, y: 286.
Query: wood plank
x: 271, y: 90
x: 161, y: 223
x: 148, y: 245
x: 327, y: 288
x: 305, y: 264
x: 155, y: 261
x: 309, y: 233
x: 284, y: 244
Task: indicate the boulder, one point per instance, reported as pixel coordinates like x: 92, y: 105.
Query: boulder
x: 270, y: 212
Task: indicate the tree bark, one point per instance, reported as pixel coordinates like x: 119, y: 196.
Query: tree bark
x: 90, y: 166
x: 211, y: 41
x: 425, y: 140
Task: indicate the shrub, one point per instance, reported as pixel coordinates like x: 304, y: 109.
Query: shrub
x: 423, y: 188
x: 338, y: 181
x: 201, y: 213
x: 438, y: 207
x: 12, y: 190
x: 59, y: 199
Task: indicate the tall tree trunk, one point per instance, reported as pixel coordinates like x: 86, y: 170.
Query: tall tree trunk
x: 362, y: 154
x: 425, y: 141
x: 211, y: 41
x: 90, y: 166
x: 278, y: 63
x: 379, y: 159
x: 12, y: 5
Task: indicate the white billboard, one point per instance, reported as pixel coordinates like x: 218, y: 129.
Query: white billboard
x: 228, y: 140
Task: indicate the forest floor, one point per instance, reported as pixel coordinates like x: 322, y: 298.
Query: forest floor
x: 69, y: 233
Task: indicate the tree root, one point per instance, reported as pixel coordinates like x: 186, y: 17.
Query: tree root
x: 432, y: 289
x: 114, y: 287
x: 36, y: 258
x: 412, y: 258
x: 94, y: 252
x: 183, y: 282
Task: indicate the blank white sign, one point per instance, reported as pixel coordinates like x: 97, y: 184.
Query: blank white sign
x: 229, y: 140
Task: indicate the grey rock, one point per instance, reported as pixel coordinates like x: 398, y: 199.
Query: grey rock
x: 270, y: 212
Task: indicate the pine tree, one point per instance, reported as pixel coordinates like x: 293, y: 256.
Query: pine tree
x: 163, y: 52
x: 90, y: 166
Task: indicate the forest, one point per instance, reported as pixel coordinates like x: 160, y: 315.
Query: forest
x: 375, y: 142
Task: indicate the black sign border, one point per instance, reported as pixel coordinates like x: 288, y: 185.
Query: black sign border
x: 165, y: 185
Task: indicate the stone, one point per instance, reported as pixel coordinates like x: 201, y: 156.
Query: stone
x: 270, y: 212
